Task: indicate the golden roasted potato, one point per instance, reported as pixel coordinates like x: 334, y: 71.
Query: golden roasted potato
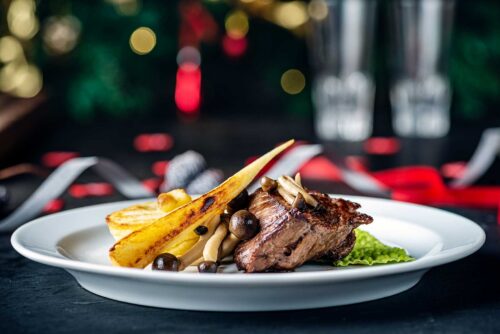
x: 173, y: 199
x: 123, y: 222
x: 139, y: 248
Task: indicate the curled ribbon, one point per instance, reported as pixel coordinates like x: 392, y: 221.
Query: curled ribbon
x: 63, y: 177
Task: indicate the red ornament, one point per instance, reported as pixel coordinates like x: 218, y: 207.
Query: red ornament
x: 57, y: 158
x: 382, y: 145
x: 53, y: 206
x: 154, y: 142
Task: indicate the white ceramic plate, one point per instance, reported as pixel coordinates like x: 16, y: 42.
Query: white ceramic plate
x: 78, y: 241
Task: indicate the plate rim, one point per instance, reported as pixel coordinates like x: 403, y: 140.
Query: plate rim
x: 327, y: 276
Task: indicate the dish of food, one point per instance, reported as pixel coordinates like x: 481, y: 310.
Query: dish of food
x: 277, y: 228
x: 282, y: 247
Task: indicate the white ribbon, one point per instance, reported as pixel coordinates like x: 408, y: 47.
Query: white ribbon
x: 63, y: 177
x: 483, y: 157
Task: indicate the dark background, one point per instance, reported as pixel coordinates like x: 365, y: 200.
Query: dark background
x: 102, y: 78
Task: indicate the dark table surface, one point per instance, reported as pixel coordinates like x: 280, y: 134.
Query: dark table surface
x: 463, y: 296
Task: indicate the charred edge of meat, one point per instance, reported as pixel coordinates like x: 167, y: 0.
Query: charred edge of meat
x: 340, y: 252
x: 289, y: 237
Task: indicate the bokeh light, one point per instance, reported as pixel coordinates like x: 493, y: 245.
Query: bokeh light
x: 10, y: 49
x: 237, y: 24
x: 60, y: 34
x: 126, y: 7
x: 317, y: 9
x: 20, y: 79
x: 143, y: 40
x: 293, y: 81
x: 188, y: 88
x: 291, y: 15
x: 188, y: 54
x: 21, y: 19
x: 234, y: 47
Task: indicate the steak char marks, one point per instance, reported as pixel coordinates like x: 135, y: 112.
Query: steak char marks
x: 289, y: 237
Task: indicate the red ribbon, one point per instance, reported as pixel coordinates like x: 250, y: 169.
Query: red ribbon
x: 416, y: 184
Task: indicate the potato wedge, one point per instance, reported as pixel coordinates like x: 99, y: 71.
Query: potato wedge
x: 139, y: 248
x: 123, y: 222
x: 173, y: 199
x: 197, y: 250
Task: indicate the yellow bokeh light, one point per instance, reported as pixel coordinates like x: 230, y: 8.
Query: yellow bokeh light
x: 291, y: 15
x: 237, y: 24
x: 10, y: 49
x: 293, y: 81
x: 143, y: 40
x: 9, y: 77
x: 32, y: 83
x: 126, y: 7
x: 21, y: 19
x: 318, y: 10
x: 21, y: 79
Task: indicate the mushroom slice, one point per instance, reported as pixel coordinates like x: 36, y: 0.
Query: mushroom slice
x: 228, y: 245
x: 293, y: 188
x: 197, y: 250
x: 211, y: 250
x: 298, y: 180
x: 286, y: 195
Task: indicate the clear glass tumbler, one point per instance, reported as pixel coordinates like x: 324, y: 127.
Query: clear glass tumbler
x: 340, y: 46
x: 420, y: 89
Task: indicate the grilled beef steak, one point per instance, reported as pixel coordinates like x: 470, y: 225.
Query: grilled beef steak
x: 289, y: 237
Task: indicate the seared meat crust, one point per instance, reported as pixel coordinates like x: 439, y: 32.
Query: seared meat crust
x: 289, y: 237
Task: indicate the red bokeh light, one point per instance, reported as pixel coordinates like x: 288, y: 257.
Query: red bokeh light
x: 357, y: 163
x: 97, y: 189
x: 57, y: 158
x: 382, y: 145
x: 453, y: 170
x: 234, y: 47
x: 188, y: 88
x: 53, y: 206
x: 152, y: 184
x: 159, y: 168
x: 154, y: 142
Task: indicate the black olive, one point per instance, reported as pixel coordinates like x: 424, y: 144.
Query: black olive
x: 239, y: 202
x: 207, y: 267
x: 244, y: 225
x: 268, y: 184
x: 166, y: 262
x: 200, y: 230
x: 299, y: 202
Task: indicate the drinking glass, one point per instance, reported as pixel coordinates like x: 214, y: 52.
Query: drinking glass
x: 340, y: 46
x: 420, y: 90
